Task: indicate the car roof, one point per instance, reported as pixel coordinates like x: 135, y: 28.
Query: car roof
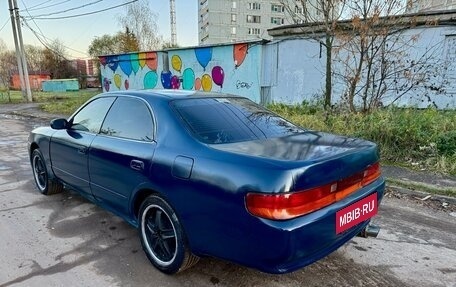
x: 168, y: 95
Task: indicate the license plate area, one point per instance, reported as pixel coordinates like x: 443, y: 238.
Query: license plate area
x: 356, y: 213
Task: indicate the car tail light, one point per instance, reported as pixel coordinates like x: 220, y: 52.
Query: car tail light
x: 293, y: 204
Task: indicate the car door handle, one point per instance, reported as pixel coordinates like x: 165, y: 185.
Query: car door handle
x: 137, y: 164
x: 82, y: 150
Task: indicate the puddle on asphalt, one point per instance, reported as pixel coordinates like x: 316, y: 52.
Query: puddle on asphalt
x: 8, y: 142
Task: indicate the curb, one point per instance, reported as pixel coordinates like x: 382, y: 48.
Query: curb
x: 422, y: 194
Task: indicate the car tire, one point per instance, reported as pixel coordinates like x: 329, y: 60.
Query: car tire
x: 45, y: 185
x: 163, y: 238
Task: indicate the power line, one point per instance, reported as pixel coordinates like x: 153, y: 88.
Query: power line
x: 44, y: 7
x: 3, y: 26
x: 28, y: 12
x: 67, y: 10
x: 44, y: 41
x: 42, y: 3
x: 84, y: 14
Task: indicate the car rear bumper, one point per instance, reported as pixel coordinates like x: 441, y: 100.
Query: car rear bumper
x: 285, y: 246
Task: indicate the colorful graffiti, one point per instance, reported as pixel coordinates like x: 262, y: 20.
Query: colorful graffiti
x: 219, y: 69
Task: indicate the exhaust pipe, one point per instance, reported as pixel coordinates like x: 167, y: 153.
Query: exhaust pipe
x: 370, y: 231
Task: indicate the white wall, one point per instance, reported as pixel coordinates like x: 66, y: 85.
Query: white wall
x: 300, y: 71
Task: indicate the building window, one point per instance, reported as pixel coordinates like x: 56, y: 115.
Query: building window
x: 299, y: 10
x: 233, y: 6
x: 277, y: 20
x: 254, y: 6
x: 233, y: 30
x: 233, y: 17
x: 254, y: 31
x: 277, y: 8
x: 253, y: 19
x: 203, y: 3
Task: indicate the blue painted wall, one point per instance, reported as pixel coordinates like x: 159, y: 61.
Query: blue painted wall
x: 61, y: 85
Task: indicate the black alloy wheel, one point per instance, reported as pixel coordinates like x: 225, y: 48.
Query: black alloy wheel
x: 43, y: 182
x: 162, y: 237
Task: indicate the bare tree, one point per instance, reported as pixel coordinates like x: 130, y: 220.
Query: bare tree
x: 140, y: 20
x: 374, y: 53
x: 327, y: 14
x: 7, y: 65
x: 35, y: 57
x: 56, y: 62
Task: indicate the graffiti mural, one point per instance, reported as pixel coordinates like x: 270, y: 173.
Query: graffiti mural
x: 230, y: 68
x: 131, y: 71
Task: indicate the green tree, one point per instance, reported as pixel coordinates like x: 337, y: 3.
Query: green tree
x: 122, y: 42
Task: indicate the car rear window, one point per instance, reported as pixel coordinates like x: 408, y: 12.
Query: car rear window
x: 228, y: 120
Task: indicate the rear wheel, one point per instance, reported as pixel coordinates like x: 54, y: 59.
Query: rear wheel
x: 163, y: 238
x: 43, y: 182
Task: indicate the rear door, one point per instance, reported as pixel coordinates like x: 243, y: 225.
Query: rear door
x: 120, y: 157
x: 69, y: 148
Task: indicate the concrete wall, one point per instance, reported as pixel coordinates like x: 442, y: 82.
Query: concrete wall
x: 231, y: 69
x: 300, y: 71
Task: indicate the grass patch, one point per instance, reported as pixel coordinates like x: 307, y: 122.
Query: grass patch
x: 407, y: 137
x: 52, y: 102
x: 67, y: 104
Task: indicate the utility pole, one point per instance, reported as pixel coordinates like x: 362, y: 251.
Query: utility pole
x: 172, y: 12
x: 20, y: 51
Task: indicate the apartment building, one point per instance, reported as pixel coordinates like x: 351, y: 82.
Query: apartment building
x: 224, y: 21
x: 414, y: 6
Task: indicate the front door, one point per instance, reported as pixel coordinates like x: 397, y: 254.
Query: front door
x: 69, y: 148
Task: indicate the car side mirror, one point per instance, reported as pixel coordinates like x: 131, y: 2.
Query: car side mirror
x: 59, y: 124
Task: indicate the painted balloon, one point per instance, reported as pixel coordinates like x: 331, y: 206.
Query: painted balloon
x: 134, y: 58
x: 126, y: 84
x: 197, y: 84
x: 175, y: 82
x: 176, y: 62
x: 106, y: 84
x: 125, y: 64
x: 150, y: 80
x: 239, y: 53
x: 102, y: 61
x: 112, y: 62
x: 188, y: 79
x: 218, y: 76
x: 206, y: 83
x: 204, y: 56
x: 142, y: 59
x: 117, y: 80
x: 152, y: 60
x: 166, y: 79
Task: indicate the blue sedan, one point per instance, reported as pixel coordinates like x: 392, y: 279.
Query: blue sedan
x: 205, y: 174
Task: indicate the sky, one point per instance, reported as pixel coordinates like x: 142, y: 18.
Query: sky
x: 77, y: 33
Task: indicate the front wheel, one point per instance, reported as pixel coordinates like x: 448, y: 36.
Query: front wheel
x: 163, y: 238
x: 43, y: 182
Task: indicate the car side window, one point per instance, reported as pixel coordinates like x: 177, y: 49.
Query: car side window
x: 129, y: 118
x: 90, y: 117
